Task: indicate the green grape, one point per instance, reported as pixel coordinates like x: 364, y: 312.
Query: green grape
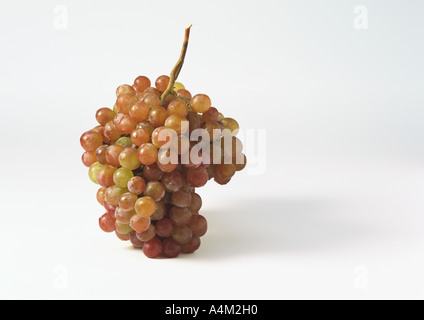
x: 123, y: 228
x: 125, y: 142
x: 94, y: 170
x: 122, y: 176
x: 128, y: 159
x: 178, y: 86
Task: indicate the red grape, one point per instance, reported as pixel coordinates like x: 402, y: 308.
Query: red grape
x: 197, y: 177
x: 171, y: 248
x: 192, y: 245
x: 152, y: 248
x: 164, y: 228
x: 198, y: 225
x: 107, y: 223
x: 91, y: 140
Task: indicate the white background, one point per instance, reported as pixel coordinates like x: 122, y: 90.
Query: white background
x: 338, y: 212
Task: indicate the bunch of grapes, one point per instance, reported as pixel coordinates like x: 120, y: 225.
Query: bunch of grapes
x: 149, y: 153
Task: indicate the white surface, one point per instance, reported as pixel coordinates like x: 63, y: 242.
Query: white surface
x: 339, y: 211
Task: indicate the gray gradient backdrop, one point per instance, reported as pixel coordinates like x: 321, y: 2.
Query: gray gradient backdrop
x: 338, y: 212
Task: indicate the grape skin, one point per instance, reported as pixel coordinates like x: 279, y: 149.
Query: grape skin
x: 198, y: 225
x: 104, y: 115
x: 173, y: 181
x: 171, y: 248
x: 136, y: 185
x: 197, y: 177
x: 153, y: 248
x: 122, y: 237
x: 139, y: 224
x: 164, y: 228
x: 137, y: 243
x: 153, y: 173
x: 147, y: 154
x: 160, y: 211
x: 141, y: 83
x: 155, y: 190
x: 89, y: 158
x: 180, y: 216
x: 182, y: 234
x: 124, y: 216
x: 107, y: 223
x: 192, y: 245
x: 147, y: 234
x: 200, y: 103
x: 145, y: 207
x: 91, y: 140
x: 161, y: 83
x: 181, y: 198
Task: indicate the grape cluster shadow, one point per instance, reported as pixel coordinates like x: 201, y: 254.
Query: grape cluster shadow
x: 277, y: 226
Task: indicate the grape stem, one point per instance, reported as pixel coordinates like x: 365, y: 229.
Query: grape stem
x: 176, y: 71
